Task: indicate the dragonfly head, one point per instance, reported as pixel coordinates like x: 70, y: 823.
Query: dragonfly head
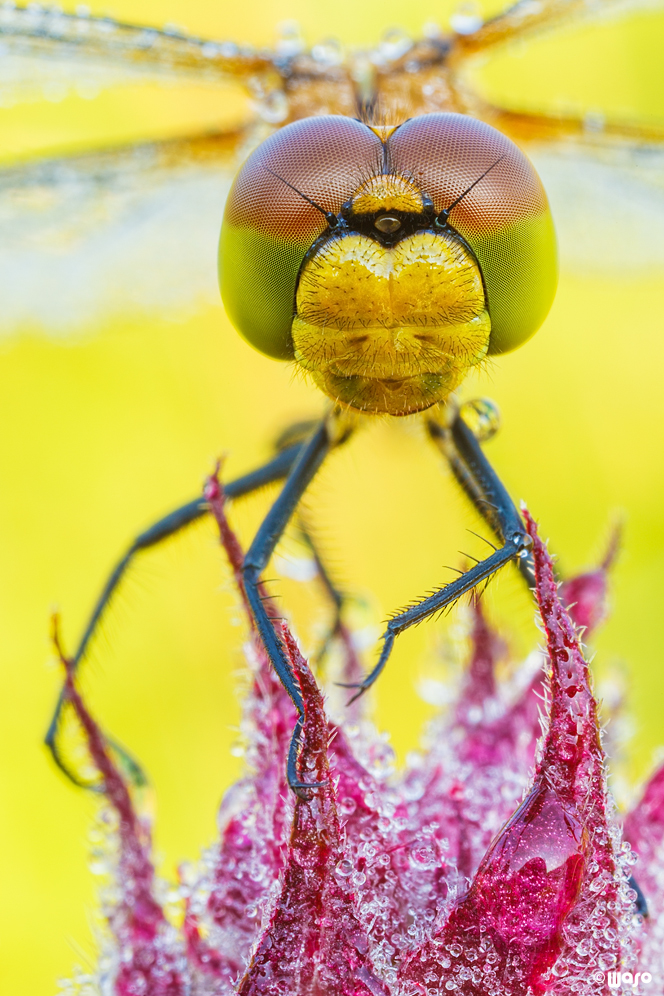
x: 380, y: 264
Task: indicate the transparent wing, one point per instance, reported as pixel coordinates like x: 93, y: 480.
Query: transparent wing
x: 44, y: 51
x: 91, y: 237
x: 604, y: 180
x: 608, y: 209
x: 527, y: 18
x: 605, y: 183
x: 86, y: 238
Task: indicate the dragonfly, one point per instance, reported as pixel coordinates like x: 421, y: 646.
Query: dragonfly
x: 385, y: 119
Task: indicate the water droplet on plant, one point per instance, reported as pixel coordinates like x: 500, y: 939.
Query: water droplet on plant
x: 343, y: 868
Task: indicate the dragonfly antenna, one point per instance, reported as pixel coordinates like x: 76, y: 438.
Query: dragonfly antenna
x: 330, y: 216
x: 444, y: 214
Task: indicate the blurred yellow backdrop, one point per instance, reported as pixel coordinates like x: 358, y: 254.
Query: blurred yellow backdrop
x: 105, y: 432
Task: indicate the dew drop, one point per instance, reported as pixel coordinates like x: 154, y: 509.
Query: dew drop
x: 344, y: 868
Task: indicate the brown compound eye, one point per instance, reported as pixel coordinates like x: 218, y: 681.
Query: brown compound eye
x: 387, y: 224
x: 280, y: 202
x: 504, y: 217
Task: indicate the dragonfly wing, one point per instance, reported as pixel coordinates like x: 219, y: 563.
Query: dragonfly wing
x: 608, y: 206
x: 605, y: 182
x: 45, y: 52
x: 528, y: 18
x: 88, y: 238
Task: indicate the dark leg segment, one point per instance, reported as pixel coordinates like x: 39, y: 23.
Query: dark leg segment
x: 482, y: 485
x: 444, y: 439
x: 331, y: 589
x: 275, y: 470
x: 259, y: 553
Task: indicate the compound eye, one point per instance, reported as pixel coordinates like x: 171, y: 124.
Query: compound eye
x: 494, y: 199
x: 387, y: 224
x: 286, y: 194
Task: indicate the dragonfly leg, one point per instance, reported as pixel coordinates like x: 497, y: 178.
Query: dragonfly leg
x: 483, y: 486
x: 336, y: 596
x: 460, y: 455
x: 274, y: 470
x: 300, y: 432
x: 258, y: 555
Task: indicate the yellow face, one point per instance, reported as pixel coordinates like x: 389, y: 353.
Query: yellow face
x: 389, y: 326
x: 387, y: 262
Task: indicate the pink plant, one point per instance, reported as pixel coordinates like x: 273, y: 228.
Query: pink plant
x: 493, y: 866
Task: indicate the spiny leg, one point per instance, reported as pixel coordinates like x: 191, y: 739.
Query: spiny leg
x: 338, y: 599
x: 331, y: 432
x: 461, y: 464
x: 276, y: 469
x: 483, y: 486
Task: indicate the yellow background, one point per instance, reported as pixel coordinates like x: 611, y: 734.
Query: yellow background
x: 104, y: 433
